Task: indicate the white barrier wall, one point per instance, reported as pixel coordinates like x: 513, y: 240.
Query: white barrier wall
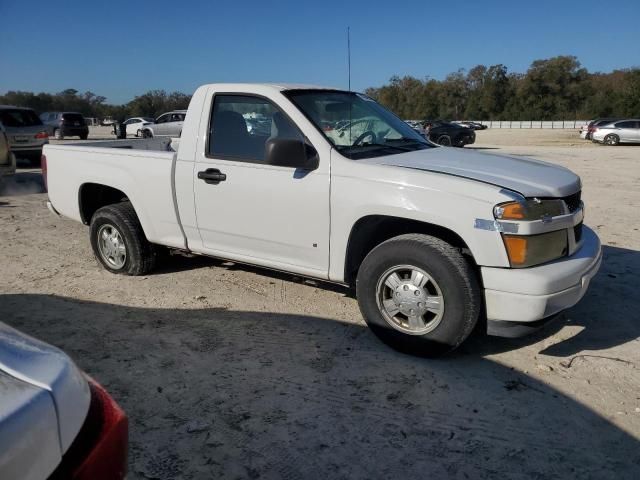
x: 555, y: 124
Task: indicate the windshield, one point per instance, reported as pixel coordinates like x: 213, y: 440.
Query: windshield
x: 355, y: 124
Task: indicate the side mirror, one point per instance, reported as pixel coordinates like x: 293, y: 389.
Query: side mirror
x: 288, y: 152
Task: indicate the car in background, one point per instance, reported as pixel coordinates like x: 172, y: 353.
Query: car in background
x: 55, y: 421
x: 166, y: 125
x: 614, y: 133
x: 449, y: 134
x: 415, y: 125
x: 7, y: 159
x: 25, y: 131
x: 134, y: 125
x: 65, y: 124
x: 584, y: 130
x: 587, y: 133
x: 107, y: 121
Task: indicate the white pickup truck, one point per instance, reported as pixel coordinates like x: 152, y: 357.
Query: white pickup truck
x: 432, y: 238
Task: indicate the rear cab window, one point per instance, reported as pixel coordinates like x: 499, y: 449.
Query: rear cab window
x: 73, y: 118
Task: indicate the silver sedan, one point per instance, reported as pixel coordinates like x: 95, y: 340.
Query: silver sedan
x: 623, y: 131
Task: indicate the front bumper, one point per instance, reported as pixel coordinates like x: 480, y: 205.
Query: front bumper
x: 538, y: 293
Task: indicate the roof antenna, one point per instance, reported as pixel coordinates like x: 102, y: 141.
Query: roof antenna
x: 349, y: 55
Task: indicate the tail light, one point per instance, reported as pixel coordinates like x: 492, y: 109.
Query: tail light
x: 41, y: 135
x: 43, y: 166
x: 99, y: 452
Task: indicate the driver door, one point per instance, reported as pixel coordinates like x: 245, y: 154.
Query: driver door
x: 259, y: 213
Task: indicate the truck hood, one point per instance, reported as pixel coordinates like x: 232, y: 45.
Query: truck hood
x: 531, y: 178
x: 49, y: 370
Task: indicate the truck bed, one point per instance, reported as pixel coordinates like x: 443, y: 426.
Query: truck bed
x: 140, y: 169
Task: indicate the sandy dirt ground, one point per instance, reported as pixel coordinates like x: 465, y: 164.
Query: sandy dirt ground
x: 234, y: 372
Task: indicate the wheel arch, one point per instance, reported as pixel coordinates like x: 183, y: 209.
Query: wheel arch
x: 93, y: 196
x: 371, y: 230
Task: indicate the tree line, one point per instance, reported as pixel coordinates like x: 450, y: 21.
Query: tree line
x: 150, y: 104
x: 557, y: 88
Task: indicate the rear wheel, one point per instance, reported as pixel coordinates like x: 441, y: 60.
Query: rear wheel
x: 418, y: 294
x: 118, y: 241
x: 611, y: 139
x: 137, y: 133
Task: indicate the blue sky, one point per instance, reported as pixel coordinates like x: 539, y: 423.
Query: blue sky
x: 120, y: 49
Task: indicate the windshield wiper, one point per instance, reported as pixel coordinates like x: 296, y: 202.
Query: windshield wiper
x: 381, y: 145
x: 408, y: 140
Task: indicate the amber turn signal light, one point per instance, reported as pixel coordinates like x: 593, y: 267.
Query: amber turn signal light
x: 516, y: 249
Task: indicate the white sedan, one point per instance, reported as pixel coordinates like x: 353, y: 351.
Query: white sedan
x: 134, y: 125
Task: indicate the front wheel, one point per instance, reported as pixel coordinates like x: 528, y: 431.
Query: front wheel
x: 146, y: 134
x: 444, y: 140
x: 418, y: 294
x: 118, y: 241
x: 611, y: 139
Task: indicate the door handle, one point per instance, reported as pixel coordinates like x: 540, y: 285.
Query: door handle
x: 212, y: 176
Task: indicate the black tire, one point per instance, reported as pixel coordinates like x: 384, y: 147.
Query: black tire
x: 84, y: 137
x: 137, y: 133
x: 444, y: 140
x: 455, y: 277
x: 611, y: 139
x: 147, y: 134
x: 141, y: 255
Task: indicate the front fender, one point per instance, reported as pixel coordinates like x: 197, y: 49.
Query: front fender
x: 448, y: 202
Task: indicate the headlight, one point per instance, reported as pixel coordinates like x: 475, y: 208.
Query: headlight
x: 529, y: 250
x: 529, y: 210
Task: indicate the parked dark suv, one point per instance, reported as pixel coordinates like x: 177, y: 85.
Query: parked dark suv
x: 449, y: 134
x: 65, y: 124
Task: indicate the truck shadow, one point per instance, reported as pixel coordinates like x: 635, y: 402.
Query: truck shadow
x: 178, y: 263
x: 604, y: 314
x: 237, y: 394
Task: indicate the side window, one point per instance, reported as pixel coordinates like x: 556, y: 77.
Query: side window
x: 177, y: 117
x: 240, y: 126
x: 162, y: 118
x: 626, y: 124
